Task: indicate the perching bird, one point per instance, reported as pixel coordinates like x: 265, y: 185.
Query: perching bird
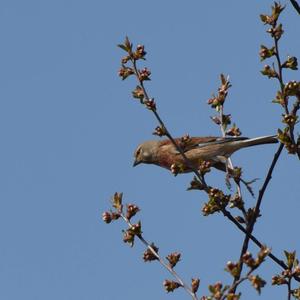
x: 215, y: 150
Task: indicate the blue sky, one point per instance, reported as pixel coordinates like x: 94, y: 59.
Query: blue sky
x: 69, y: 128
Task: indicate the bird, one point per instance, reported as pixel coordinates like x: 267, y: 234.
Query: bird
x: 212, y: 149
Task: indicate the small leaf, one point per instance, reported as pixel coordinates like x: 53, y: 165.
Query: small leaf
x: 290, y: 257
x: 122, y: 47
x: 117, y: 201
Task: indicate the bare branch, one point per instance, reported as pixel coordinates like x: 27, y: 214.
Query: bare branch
x: 296, y: 6
x: 161, y: 260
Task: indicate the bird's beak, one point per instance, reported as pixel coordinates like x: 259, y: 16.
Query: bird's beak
x: 136, y: 162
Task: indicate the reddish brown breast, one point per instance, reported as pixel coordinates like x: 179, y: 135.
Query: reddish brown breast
x: 166, y: 156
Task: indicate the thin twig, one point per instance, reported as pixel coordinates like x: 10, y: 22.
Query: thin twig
x: 296, y: 6
x: 294, y: 111
x: 252, y: 222
x: 236, y: 283
x: 236, y: 279
x: 296, y: 106
x: 161, y: 260
x: 229, y: 160
x: 250, y: 226
x: 266, y: 182
x: 281, y: 82
x: 241, y: 264
x: 280, y: 77
x: 281, y: 263
x: 289, y: 288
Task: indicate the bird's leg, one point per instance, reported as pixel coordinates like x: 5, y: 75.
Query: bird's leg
x: 227, y: 178
x: 228, y: 170
x: 223, y: 165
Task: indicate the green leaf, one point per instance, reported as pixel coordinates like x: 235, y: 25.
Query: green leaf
x: 290, y: 257
x: 122, y: 47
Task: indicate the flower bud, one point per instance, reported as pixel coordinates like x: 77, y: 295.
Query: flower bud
x: 170, y: 285
x: 257, y: 282
x: 195, y: 284
x: 138, y: 93
x: 160, y: 131
x: 106, y: 217
x: 149, y: 255
x: 144, y: 74
x: 132, y: 210
x: 125, y: 72
x: 173, y: 259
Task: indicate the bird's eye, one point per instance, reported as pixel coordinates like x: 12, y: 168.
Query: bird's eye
x: 138, y: 151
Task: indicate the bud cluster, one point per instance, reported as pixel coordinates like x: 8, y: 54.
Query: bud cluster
x: 117, y: 212
x: 285, y: 139
x: 171, y: 285
x: 266, y: 52
x: 150, y: 104
x: 160, y: 131
x: 138, y: 93
x: 296, y: 293
x: 289, y: 119
x: 217, y: 101
x: 233, y: 131
x: 233, y: 268
x: 292, y: 88
x: 149, y: 255
x: 270, y: 72
x: 131, y: 211
x: 255, y: 263
x: 173, y: 259
x: 139, y: 52
x: 142, y: 74
x: 276, y: 32
x: 204, y: 167
x: 107, y: 217
x: 290, y: 63
x: 195, y: 284
x: 184, y: 141
x: 236, y: 201
x: 177, y: 168
x: 217, y: 202
x: 195, y: 184
x: 280, y: 99
x: 131, y: 232
x: 217, y: 291
x: 257, y: 282
x: 293, y: 269
x: 125, y: 72
x: 272, y: 19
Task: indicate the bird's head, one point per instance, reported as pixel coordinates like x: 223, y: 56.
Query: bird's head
x: 146, y: 153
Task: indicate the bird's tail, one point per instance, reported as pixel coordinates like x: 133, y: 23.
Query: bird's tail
x: 269, y: 139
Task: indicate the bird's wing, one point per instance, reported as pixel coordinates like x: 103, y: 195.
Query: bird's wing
x: 217, y: 140
x: 198, y: 142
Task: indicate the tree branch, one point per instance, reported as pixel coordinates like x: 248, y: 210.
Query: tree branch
x: 296, y: 6
x: 201, y: 178
x: 161, y: 260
